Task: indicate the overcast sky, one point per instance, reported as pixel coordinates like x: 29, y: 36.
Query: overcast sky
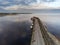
x: 29, y: 4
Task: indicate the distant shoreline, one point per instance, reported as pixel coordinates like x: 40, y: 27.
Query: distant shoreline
x: 3, y: 14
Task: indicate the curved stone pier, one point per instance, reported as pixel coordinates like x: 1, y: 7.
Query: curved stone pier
x: 40, y: 35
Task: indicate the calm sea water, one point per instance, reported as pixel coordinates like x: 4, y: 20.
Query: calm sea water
x: 15, y: 29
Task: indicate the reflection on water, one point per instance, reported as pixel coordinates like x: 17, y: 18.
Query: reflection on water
x: 15, y: 30
x: 14, y: 33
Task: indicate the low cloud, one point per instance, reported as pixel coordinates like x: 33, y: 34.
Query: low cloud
x: 33, y: 6
x: 14, y: 7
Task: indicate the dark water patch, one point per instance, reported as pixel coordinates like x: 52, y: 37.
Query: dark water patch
x: 15, y: 33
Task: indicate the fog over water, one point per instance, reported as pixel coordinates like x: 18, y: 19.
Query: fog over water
x: 15, y: 29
